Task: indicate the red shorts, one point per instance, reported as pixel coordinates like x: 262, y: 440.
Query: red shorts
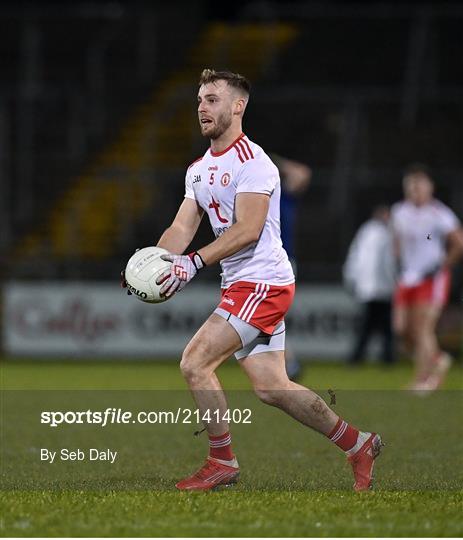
x: 434, y: 291
x: 259, y: 304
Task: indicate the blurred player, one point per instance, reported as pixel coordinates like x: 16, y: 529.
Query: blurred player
x: 236, y: 184
x: 429, y: 241
x: 369, y: 273
x: 295, y: 179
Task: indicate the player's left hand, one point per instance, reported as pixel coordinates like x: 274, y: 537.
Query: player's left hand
x: 183, y: 269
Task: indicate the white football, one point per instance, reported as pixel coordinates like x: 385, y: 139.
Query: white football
x: 142, y: 271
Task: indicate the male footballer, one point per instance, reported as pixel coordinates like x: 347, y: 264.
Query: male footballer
x: 429, y: 241
x: 237, y: 185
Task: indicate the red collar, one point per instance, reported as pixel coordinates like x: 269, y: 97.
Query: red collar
x: 216, y: 154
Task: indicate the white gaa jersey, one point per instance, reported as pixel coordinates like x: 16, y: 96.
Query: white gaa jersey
x: 422, y: 232
x: 214, y: 181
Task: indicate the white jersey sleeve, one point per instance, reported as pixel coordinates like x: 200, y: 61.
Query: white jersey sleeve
x: 448, y: 220
x: 189, y: 193
x: 257, y: 176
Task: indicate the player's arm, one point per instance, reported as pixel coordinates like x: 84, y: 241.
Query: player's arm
x: 179, y: 235
x: 454, y: 247
x: 250, y: 211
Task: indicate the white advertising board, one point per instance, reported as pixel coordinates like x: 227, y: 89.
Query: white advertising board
x: 97, y: 319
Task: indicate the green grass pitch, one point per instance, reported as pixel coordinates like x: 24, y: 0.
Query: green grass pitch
x: 294, y: 482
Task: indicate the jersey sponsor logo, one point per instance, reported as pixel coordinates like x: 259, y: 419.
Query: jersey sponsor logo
x: 213, y: 168
x: 196, y: 178
x: 216, y: 205
x: 225, y: 180
x: 218, y: 231
x: 227, y: 300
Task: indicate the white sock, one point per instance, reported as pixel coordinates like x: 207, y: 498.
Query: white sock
x: 231, y: 463
x: 361, y: 440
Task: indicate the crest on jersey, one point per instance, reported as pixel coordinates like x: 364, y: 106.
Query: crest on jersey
x: 225, y: 180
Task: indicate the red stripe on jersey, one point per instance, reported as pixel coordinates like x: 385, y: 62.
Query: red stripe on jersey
x: 236, y: 147
x: 195, y: 161
x: 248, y: 147
x: 243, y: 149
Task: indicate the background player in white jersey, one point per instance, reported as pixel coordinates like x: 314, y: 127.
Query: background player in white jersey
x: 236, y: 184
x: 429, y: 241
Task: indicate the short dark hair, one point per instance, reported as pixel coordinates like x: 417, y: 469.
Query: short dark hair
x: 233, y: 79
x: 418, y: 168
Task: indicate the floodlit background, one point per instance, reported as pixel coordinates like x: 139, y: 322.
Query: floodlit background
x: 98, y: 124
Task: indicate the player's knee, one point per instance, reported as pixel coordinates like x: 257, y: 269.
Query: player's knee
x: 193, y: 364
x: 405, y: 332
x: 189, y: 366
x: 416, y: 333
x: 400, y: 328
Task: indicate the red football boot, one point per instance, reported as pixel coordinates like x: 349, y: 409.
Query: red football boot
x: 212, y: 474
x: 363, y: 461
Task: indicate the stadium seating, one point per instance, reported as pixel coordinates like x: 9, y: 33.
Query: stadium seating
x: 103, y: 157
x: 122, y: 178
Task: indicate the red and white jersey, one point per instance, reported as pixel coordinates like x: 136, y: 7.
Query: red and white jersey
x: 422, y: 233
x: 214, y: 181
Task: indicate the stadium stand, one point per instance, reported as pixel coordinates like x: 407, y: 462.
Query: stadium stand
x: 113, y: 134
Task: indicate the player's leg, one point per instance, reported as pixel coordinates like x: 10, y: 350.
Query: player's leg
x: 407, y: 322
x: 424, y: 304
x: 433, y: 296
x: 402, y: 325
x: 266, y: 371
x: 267, y: 374
x: 366, y: 326
x: 412, y: 323
x: 424, y: 345
x: 212, y: 344
x: 431, y: 362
